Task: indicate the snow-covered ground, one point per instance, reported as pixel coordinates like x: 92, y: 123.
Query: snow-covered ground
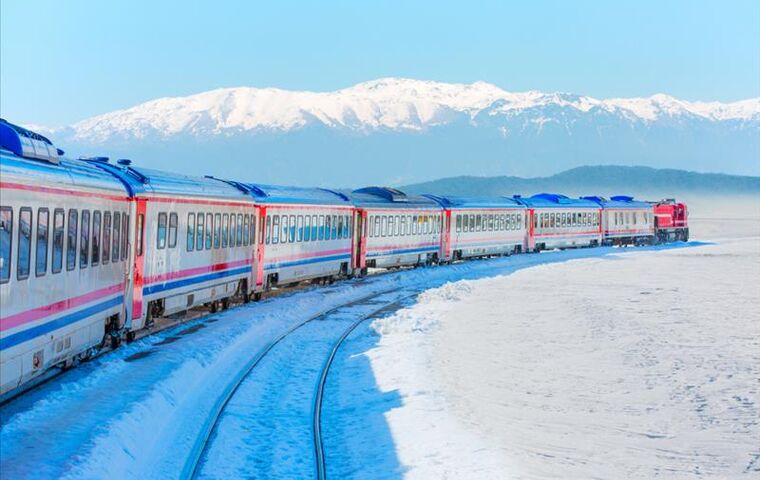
x: 639, y: 364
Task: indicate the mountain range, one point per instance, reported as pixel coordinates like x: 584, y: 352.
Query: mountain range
x: 401, y: 131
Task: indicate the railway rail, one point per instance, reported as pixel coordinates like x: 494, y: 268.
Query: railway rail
x: 203, y: 441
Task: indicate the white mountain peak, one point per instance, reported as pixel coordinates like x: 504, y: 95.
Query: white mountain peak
x: 386, y: 103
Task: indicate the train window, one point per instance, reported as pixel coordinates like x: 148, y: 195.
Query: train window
x: 293, y: 228
x: 268, y: 230
x: 71, y: 240
x: 391, y: 225
x: 299, y: 228
x: 106, y: 238
x: 373, y: 221
x: 334, y: 227
x: 161, y: 230
x: 173, y: 221
x: 84, y: 240
x: 314, y: 227
x: 24, y: 243
x: 239, y: 229
x: 326, y: 228
x: 217, y: 230
x: 209, y: 231
x: 246, y: 229
x: 200, y: 230
x: 116, y: 237
x: 41, y: 250
x: 284, y: 228
x: 190, y: 240
x: 124, y: 236
x: 307, y: 229
x: 347, y: 226
x: 58, y: 235
x: 490, y: 222
x: 225, y: 234
x: 383, y: 225
x: 321, y: 228
x: 233, y: 230
x: 252, y: 229
x: 6, y: 243
x: 96, y: 222
x: 276, y: 229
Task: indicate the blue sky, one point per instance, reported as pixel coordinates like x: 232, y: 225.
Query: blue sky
x: 64, y: 61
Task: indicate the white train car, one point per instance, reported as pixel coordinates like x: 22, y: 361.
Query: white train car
x: 397, y: 229
x: 305, y: 234
x: 625, y: 221
x: 479, y: 227
x: 62, y: 257
x: 562, y: 222
x: 192, y: 244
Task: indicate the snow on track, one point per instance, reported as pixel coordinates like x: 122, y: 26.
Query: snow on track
x: 138, y: 411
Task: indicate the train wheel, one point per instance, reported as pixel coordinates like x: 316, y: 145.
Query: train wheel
x: 131, y: 337
x: 257, y: 296
x: 214, y: 307
x: 225, y: 303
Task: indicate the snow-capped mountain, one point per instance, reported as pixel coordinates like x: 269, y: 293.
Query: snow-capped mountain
x: 416, y: 127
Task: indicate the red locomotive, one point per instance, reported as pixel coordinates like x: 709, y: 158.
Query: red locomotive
x: 671, y: 221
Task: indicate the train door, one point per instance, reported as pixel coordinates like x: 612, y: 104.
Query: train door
x: 138, y: 267
x: 531, y: 231
x: 446, y: 235
x: 260, y: 244
x: 359, y: 251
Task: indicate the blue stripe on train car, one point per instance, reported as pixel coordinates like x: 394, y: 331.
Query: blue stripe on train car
x: 402, y: 251
x: 272, y: 266
x: 162, y: 287
x: 60, y: 322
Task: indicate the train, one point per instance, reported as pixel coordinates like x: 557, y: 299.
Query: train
x: 94, y: 251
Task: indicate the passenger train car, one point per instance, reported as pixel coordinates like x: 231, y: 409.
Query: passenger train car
x: 562, y: 222
x: 91, y: 252
x: 397, y: 229
x: 477, y: 227
x: 625, y: 221
x: 63, y: 257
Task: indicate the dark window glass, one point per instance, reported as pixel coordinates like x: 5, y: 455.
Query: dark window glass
x: 173, y: 222
x: 307, y: 229
x: 299, y: 228
x: 58, y: 236
x: 268, y: 230
x: 84, y: 240
x: 190, y: 232
x: 41, y: 251
x: 232, y: 229
x: 239, y: 229
x: 225, y: 230
x: 326, y: 229
x: 246, y: 229
x: 71, y: 238
x: 161, y: 231
x: 253, y: 229
x: 116, y: 237
x: 199, y: 232
x: 284, y: 236
x: 292, y: 228
x: 24, y: 243
x: 96, y: 215
x: 140, y: 236
x: 124, y: 236
x: 106, y: 237
x: 209, y: 231
x: 6, y: 243
x: 314, y: 227
x: 275, y: 229
x: 217, y: 229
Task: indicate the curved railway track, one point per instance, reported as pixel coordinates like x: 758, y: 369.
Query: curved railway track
x: 202, y: 443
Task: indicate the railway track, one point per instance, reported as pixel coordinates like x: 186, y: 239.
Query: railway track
x: 200, y: 448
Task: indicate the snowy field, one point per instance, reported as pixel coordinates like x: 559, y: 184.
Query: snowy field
x: 633, y: 365
x: 640, y: 363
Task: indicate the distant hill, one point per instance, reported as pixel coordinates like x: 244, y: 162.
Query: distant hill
x: 602, y: 180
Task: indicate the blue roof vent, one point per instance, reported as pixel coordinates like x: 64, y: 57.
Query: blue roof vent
x: 95, y: 159
x: 390, y: 194
x: 124, y: 162
x: 552, y: 197
x: 340, y: 195
x: 26, y: 143
x: 621, y: 198
x: 594, y: 198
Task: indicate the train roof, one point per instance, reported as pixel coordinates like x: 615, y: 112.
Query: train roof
x: 555, y: 200
x: 386, y: 197
x: 141, y: 180
x: 263, y: 193
x: 618, y: 201
x: 64, y: 172
x: 453, y: 201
